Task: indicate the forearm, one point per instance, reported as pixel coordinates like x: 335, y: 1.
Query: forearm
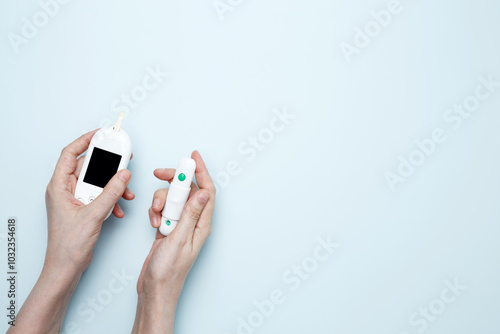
x: 45, y: 308
x: 155, y: 314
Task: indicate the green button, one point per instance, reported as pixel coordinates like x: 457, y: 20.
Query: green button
x: 182, y: 177
x: 168, y: 223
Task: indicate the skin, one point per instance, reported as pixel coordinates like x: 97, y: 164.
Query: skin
x: 73, y: 231
x: 171, y: 258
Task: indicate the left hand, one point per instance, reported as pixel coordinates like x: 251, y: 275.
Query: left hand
x: 170, y: 259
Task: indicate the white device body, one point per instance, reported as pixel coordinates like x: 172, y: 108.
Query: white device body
x: 177, y: 196
x: 102, y: 156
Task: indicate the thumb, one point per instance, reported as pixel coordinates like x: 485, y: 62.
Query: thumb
x: 113, y: 191
x: 192, y: 212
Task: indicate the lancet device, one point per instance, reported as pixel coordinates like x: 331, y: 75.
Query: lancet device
x: 177, y: 196
x: 109, y: 151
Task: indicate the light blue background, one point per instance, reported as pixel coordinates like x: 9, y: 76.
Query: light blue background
x: 323, y: 175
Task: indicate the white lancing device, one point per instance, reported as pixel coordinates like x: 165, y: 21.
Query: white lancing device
x: 177, y: 196
x: 109, y: 151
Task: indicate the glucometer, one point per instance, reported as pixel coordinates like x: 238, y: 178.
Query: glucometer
x: 109, y: 151
x: 177, y: 196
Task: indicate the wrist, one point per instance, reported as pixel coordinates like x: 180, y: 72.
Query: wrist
x: 62, y: 279
x: 166, y: 299
x: 162, y: 293
x: 61, y: 273
x: 64, y: 261
x: 62, y: 270
x: 155, y: 314
x: 47, y: 303
x: 169, y: 287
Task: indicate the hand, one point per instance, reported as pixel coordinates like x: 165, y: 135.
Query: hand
x: 73, y: 232
x: 74, y: 227
x: 170, y: 259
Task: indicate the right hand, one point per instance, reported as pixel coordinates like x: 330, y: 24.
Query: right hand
x: 73, y: 228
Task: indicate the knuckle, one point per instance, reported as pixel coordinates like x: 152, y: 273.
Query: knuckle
x: 114, y: 193
x: 194, y: 214
x: 160, y: 193
x: 151, y: 214
x: 64, y: 150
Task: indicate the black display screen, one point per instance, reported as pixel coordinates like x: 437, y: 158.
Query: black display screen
x: 102, y: 166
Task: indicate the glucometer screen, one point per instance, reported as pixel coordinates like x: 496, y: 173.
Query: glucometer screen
x: 102, y: 166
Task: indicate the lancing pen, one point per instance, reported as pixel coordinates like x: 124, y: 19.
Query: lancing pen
x: 177, y: 196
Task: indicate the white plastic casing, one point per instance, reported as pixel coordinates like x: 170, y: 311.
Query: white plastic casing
x: 107, y: 139
x: 178, y: 194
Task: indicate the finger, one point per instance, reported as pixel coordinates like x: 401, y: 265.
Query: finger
x: 202, y: 176
x: 205, y: 182
x: 79, y: 165
x: 118, y: 212
x: 205, y: 222
x: 159, y: 199
x: 167, y: 174
x: 203, y: 228
x: 115, y: 188
x: 128, y: 195
x: 67, y: 162
x: 192, y: 213
x: 154, y: 218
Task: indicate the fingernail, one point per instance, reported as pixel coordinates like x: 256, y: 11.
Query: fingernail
x: 156, y: 203
x: 202, y: 198
x: 155, y: 221
x: 124, y: 175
